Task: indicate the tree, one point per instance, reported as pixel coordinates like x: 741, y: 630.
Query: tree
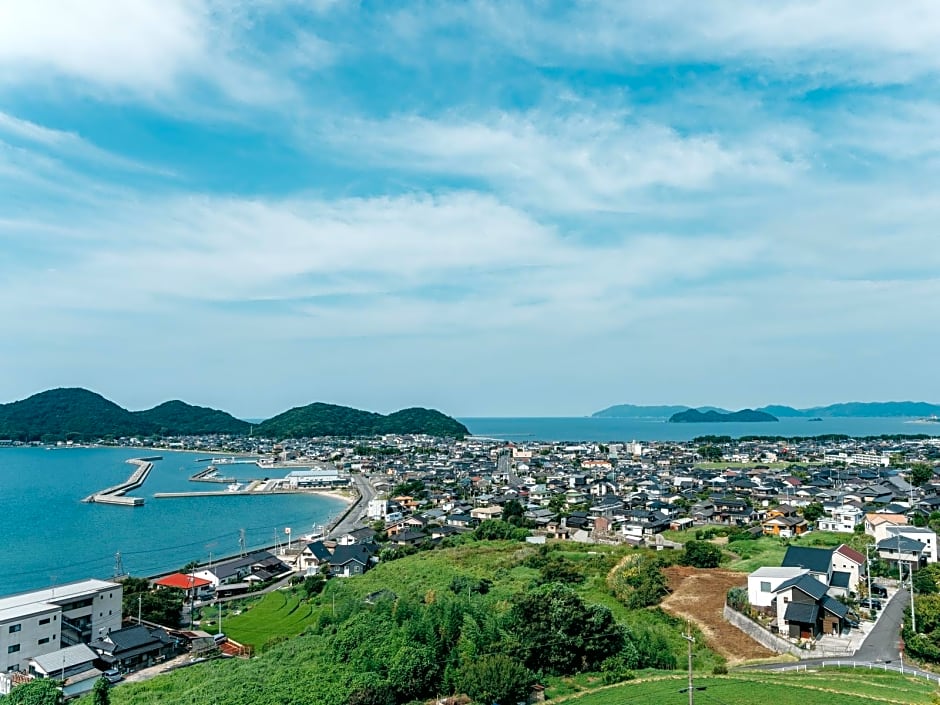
x: 496, y: 679
x: 499, y: 530
x: 41, y: 691
x: 710, y: 452
x: 921, y: 473
x: 813, y: 511
x: 701, y: 554
x: 101, y: 693
x: 924, y: 584
x: 514, y: 512
x: 552, y: 629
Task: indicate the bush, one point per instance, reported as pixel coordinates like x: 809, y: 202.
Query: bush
x: 700, y: 554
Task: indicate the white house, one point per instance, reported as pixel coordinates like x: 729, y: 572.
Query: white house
x: 878, y: 525
x: 924, y: 535
x: 843, y: 520
x: 762, y: 583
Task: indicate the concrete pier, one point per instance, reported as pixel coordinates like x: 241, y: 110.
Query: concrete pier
x: 115, y: 494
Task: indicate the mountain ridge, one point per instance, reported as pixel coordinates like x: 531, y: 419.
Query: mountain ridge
x: 711, y: 416
x: 889, y: 409
x: 75, y: 413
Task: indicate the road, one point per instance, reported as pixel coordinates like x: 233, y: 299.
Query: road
x: 350, y: 519
x: 881, y: 645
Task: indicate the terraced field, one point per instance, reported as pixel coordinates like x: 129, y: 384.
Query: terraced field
x: 278, y: 613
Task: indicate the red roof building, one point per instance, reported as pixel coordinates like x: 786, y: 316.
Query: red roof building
x: 182, y: 582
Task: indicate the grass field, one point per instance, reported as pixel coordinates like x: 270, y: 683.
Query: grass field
x: 832, y: 687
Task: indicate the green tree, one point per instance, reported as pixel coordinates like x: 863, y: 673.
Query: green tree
x: 101, y: 692
x: 413, y: 672
x: 513, y: 512
x: 813, y: 511
x: 552, y: 629
x: 496, y: 679
x: 499, y: 530
x: 701, y: 554
x: 921, y: 473
x: 710, y: 453
x: 41, y: 691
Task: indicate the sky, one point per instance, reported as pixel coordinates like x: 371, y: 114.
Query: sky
x: 491, y: 207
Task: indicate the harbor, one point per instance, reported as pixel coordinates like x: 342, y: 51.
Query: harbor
x: 116, y: 494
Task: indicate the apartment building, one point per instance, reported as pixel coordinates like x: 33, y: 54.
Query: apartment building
x: 42, y: 621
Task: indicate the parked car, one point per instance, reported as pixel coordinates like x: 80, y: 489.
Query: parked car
x: 878, y: 590
x: 220, y: 638
x: 113, y: 675
x: 870, y: 603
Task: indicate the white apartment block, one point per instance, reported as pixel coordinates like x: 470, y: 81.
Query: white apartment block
x: 862, y: 458
x: 43, y: 621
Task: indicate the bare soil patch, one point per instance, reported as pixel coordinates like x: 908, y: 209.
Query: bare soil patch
x: 699, y: 596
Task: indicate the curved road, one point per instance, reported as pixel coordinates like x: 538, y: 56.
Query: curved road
x: 350, y: 519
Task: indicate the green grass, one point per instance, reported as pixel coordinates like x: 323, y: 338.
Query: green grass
x: 832, y: 686
x: 277, y: 614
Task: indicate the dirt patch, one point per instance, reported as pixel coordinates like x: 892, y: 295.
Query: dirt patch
x: 699, y: 595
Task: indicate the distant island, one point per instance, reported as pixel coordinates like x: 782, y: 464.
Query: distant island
x: 712, y: 416
x: 80, y: 414
x: 887, y: 409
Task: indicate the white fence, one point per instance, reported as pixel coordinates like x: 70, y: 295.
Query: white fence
x: 864, y: 665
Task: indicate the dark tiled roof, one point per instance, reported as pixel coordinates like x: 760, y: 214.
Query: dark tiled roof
x: 805, y: 583
x: 801, y: 612
x: 815, y: 559
x: 902, y: 543
x: 840, y: 579
x: 830, y: 604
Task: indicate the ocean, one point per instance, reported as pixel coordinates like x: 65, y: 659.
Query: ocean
x: 50, y: 536
x: 587, y: 428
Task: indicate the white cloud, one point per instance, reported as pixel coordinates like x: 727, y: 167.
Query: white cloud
x: 585, y: 159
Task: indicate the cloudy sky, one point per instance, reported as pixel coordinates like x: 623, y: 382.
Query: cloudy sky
x: 491, y: 207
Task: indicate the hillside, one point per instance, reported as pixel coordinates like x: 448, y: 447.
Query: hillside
x: 79, y: 414
x: 67, y: 414
x: 320, y: 419
x: 177, y: 418
x: 745, y: 415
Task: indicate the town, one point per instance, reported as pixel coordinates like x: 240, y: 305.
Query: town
x: 414, y: 493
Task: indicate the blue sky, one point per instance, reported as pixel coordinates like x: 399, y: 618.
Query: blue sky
x: 493, y: 208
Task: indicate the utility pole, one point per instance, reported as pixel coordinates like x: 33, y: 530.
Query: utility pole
x: 691, y: 639
x: 140, y: 608
x: 913, y: 618
x: 868, y: 568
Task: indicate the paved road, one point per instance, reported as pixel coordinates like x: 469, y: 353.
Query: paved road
x: 351, y: 519
x: 881, y: 645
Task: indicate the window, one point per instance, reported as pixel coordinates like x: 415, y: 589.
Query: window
x: 45, y: 621
x: 13, y: 648
x: 44, y: 640
x: 764, y: 586
x: 15, y: 628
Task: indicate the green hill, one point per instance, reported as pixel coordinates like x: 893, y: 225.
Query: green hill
x: 71, y: 413
x: 177, y: 418
x: 319, y: 419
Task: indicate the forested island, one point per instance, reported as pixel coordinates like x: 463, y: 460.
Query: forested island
x: 711, y: 416
x: 848, y: 410
x: 80, y: 414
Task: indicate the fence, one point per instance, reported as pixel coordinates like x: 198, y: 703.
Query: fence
x: 864, y: 665
x: 761, y: 635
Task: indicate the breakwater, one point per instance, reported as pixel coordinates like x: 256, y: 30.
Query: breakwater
x: 210, y: 474
x: 116, y: 494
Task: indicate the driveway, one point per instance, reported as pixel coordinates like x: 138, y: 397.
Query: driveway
x: 881, y: 645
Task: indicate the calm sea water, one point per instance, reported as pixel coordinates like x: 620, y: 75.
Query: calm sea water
x: 591, y: 429
x: 50, y: 536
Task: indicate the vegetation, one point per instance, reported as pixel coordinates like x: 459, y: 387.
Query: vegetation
x: 832, y: 686
x: 476, y: 618
x: 701, y: 554
x: 177, y: 418
x: 163, y: 606
x: 320, y: 419
x: 80, y: 415
x: 712, y: 416
x: 42, y: 691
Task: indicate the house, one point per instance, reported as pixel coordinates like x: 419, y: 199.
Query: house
x: 918, y: 533
x: 877, y: 524
x: 43, y: 621
x: 818, y: 561
x: 256, y: 566
x: 901, y: 549
x: 484, y: 513
x: 784, y: 526
x: 313, y: 557
x: 75, y: 665
x: 193, y: 588
x: 347, y: 561
x: 805, y: 609
x: 134, y: 647
x: 849, y: 568
x: 841, y: 520
x: 762, y: 583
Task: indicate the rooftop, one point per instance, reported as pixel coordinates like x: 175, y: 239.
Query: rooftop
x: 23, y: 603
